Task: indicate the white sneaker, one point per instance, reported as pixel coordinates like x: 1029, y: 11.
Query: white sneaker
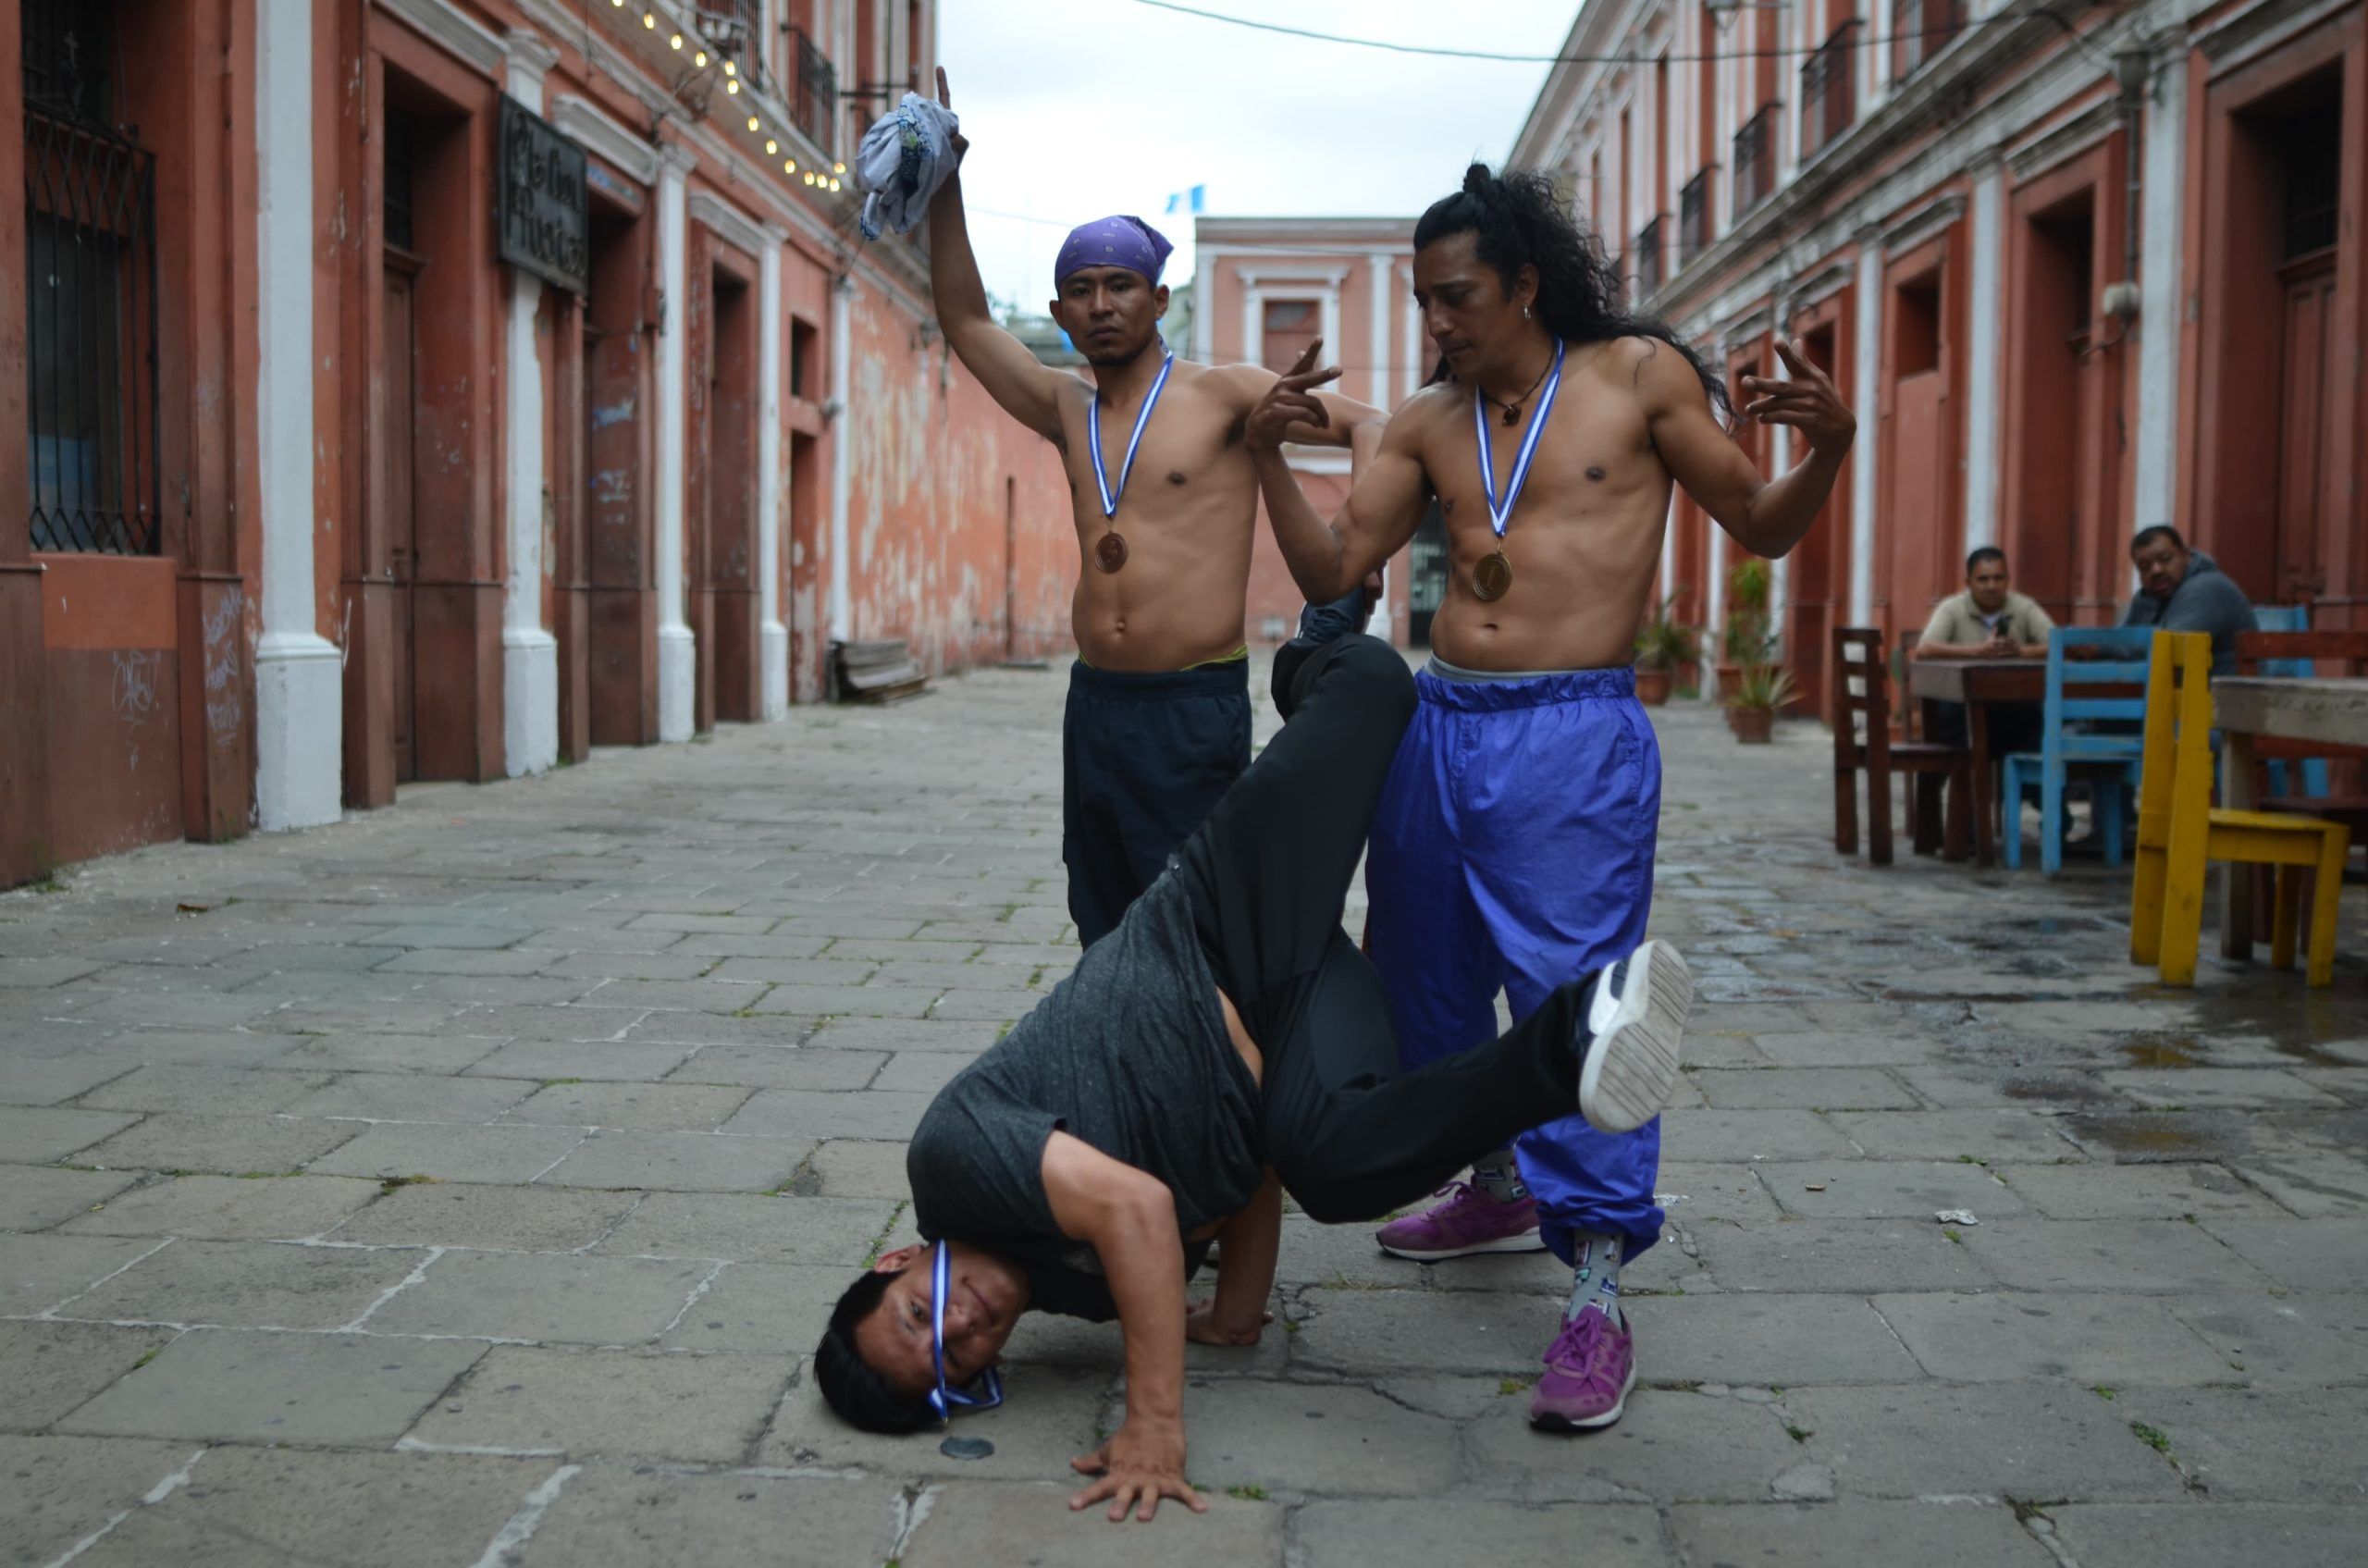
x: 1636, y: 1014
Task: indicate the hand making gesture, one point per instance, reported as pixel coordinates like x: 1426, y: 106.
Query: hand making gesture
x: 959, y: 142
x: 1806, y: 401
x: 1290, y: 401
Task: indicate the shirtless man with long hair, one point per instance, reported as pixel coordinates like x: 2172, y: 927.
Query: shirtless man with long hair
x: 1513, y: 844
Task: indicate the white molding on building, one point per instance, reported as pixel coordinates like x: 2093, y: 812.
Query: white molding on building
x: 1867, y: 405
x: 772, y: 635
x: 300, y: 675
x: 453, y: 31
x: 2155, y: 486
x: 841, y: 607
x: 582, y: 122
x: 728, y: 223
x: 677, y: 651
x: 529, y: 652
x: 1290, y: 282
x: 1384, y: 267
x: 1985, y: 339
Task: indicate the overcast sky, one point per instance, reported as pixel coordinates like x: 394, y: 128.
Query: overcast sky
x: 1077, y: 109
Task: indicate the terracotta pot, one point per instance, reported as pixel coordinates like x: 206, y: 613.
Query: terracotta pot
x: 1652, y: 687
x: 1729, y: 681
x: 1753, y: 726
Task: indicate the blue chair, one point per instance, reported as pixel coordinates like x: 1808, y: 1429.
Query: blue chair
x: 2290, y: 618
x: 2113, y: 656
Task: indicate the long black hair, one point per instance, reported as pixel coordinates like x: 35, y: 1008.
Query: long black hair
x: 1520, y: 220
x: 851, y: 1385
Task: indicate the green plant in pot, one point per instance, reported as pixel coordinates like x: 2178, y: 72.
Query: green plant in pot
x: 1761, y: 690
x: 1662, y: 647
x: 1744, y: 636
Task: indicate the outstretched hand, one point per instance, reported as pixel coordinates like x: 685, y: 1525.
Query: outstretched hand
x: 960, y: 142
x: 1142, y: 1463
x: 1290, y: 401
x: 1807, y: 401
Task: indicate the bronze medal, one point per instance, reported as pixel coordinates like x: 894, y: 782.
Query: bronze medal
x: 1110, y: 551
x: 1492, y: 577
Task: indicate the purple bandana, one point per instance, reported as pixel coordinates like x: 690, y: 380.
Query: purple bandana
x: 1113, y: 242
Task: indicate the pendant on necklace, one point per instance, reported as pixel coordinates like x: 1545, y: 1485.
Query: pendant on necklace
x: 1110, y: 551
x: 1492, y: 577
x: 1512, y: 413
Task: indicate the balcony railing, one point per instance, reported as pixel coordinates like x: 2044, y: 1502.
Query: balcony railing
x: 1650, y: 240
x: 1830, y: 90
x: 1921, y: 28
x: 1755, y: 158
x: 814, y: 91
x: 1694, y: 216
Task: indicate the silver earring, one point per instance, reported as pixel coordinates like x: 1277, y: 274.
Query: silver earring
x: 1524, y: 313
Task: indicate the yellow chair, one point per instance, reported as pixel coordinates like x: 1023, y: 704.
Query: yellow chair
x: 2179, y: 831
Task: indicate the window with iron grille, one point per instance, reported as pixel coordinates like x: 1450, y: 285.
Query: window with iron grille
x: 90, y: 292
x: 813, y: 92
x: 1921, y: 28
x: 1829, y: 89
x: 1647, y: 252
x: 1754, y: 159
x: 1694, y: 216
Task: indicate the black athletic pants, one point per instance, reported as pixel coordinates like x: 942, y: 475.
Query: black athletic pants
x: 1350, y: 1135
x: 1143, y: 759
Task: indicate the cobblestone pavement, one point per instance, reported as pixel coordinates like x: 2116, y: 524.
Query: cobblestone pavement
x: 463, y: 1184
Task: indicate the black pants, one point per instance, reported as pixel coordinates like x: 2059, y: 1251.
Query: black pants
x: 1350, y: 1135
x: 2013, y: 726
x: 1143, y: 759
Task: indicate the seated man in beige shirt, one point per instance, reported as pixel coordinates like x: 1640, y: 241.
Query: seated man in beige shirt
x: 1988, y: 621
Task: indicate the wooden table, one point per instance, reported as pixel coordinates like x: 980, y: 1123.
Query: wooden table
x: 2290, y: 707
x: 1977, y: 683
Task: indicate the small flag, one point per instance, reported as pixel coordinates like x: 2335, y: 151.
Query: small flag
x: 1191, y: 200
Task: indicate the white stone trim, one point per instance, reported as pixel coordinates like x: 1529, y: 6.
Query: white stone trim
x: 842, y: 358
x: 299, y: 697
x: 453, y: 31
x: 772, y: 640
x: 1257, y: 276
x: 1254, y: 316
x: 529, y: 652
x: 583, y: 123
x: 1866, y: 375
x: 1984, y: 341
x: 1925, y: 223
x: 1409, y: 379
x: 2069, y: 139
x: 728, y: 223
x: 677, y: 655
x: 2154, y: 485
x: 1378, y: 349
x: 2256, y: 31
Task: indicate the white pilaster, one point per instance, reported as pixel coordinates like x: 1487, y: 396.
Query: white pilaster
x: 1866, y: 375
x: 529, y: 652
x: 677, y: 655
x: 1378, y: 342
x: 300, y: 695
x: 773, y: 635
x: 842, y: 458
x: 2159, y: 288
x: 1983, y: 345
x: 1780, y: 459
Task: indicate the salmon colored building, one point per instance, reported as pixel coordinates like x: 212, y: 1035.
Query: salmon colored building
x: 1264, y: 288
x: 2078, y: 270
x: 406, y: 389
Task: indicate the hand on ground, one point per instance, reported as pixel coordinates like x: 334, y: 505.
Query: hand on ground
x: 1140, y: 1465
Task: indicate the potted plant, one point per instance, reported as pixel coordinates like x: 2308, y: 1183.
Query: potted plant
x: 1761, y: 690
x: 1662, y: 645
x: 1744, y: 636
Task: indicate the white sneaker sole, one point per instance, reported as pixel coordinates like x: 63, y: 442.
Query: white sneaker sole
x: 1631, y: 1069
x: 1531, y: 1242
x: 1551, y: 1422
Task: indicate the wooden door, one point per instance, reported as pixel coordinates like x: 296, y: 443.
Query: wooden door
x: 2310, y: 309
x: 397, y: 446
x: 1912, y: 522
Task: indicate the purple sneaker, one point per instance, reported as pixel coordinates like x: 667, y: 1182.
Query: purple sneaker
x: 1470, y: 1222
x: 1589, y: 1369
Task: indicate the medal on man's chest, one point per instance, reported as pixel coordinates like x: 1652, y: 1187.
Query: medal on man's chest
x: 1494, y: 574
x: 1110, y: 550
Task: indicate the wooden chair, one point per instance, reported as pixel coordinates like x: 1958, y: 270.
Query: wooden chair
x: 2081, y: 686
x: 1924, y: 768
x: 2311, y: 769
x: 2297, y: 770
x: 2180, y: 832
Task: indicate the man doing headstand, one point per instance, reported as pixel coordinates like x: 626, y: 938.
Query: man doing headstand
x: 1226, y: 1043
x: 1166, y: 502
x: 1513, y: 846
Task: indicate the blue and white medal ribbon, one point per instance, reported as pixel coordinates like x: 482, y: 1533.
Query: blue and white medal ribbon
x: 1494, y: 573
x: 1111, y: 552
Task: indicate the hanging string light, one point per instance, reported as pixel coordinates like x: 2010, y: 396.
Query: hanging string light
x: 813, y: 178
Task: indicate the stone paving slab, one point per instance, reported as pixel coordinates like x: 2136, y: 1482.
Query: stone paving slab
x: 242, y: 1385
x: 2195, y: 1536
x: 539, y: 1219
x: 973, y: 1522
x: 1930, y: 1534
x: 35, y: 1197
x: 40, y: 1273
x: 1999, y: 1439
x: 1853, y: 1258
x: 39, y: 1136
x: 684, y: 1162
x: 63, y: 1490
x: 1671, y: 1445
x: 616, y: 1514
x: 1367, y: 1534
x: 55, y: 1366
x: 541, y: 1296
x: 705, y: 1409
x: 399, y: 1151
x: 248, y: 1285
x: 2002, y: 1337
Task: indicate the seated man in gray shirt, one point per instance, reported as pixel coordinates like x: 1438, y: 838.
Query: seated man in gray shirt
x: 1224, y: 1044
x: 2184, y: 590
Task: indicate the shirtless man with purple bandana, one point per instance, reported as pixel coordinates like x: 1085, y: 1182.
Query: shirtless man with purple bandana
x: 1167, y: 503
x: 1513, y: 844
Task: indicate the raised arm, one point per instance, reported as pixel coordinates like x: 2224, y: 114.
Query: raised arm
x: 1022, y: 384
x: 1385, y: 504
x: 1129, y: 1218
x: 1767, y: 517
x: 1330, y: 420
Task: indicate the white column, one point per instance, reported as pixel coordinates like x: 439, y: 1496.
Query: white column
x: 1204, y: 302
x: 1780, y: 459
x: 773, y: 635
x: 1416, y: 367
x: 1377, y: 347
x: 842, y: 457
x: 677, y: 656
x: 529, y: 653
x: 2159, y: 288
x: 300, y: 675
x: 1867, y: 373
x: 1984, y: 343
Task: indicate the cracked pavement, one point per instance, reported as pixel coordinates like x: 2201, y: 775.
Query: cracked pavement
x: 466, y: 1183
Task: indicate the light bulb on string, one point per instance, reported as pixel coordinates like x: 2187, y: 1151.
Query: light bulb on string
x: 752, y: 124
x: 838, y: 168
x: 733, y: 88
x: 771, y: 146
x: 699, y: 59
x: 731, y: 69
x: 650, y: 19
x: 675, y: 42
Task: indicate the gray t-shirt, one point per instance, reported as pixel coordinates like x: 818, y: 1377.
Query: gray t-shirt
x: 2207, y: 599
x: 1129, y: 1054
